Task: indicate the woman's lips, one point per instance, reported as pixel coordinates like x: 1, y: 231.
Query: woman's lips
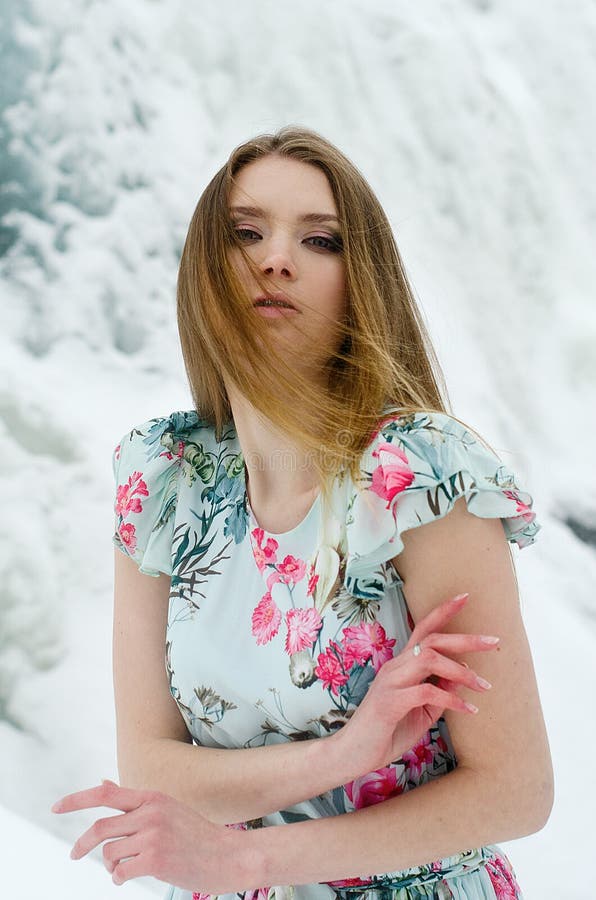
x: 274, y: 312
x: 276, y: 297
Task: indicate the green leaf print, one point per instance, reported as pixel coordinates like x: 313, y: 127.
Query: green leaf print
x: 214, y: 707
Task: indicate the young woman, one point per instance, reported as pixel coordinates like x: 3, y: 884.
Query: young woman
x: 332, y: 577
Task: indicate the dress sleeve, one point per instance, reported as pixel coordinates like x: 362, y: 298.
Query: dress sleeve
x: 146, y: 466
x: 412, y: 472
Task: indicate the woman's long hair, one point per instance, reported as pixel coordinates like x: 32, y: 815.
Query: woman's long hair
x: 384, y: 358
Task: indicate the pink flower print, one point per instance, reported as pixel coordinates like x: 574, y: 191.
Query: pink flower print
x: 354, y: 653
x: 418, y: 756
x: 292, y: 570
x: 263, y: 555
x: 312, y: 582
x: 257, y: 894
x: 502, y: 878
x: 348, y: 882
x: 266, y: 619
x: 392, y: 417
x: 522, y: 508
x: 329, y: 668
x: 303, y: 628
x: 179, y: 452
x: 374, y: 787
x: 393, y: 474
x: 126, y: 501
x: 367, y: 641
x: 272, y: 579
x: 128, y: 537
x: 117, y: 452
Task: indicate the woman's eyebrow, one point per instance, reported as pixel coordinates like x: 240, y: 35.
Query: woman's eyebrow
x: 262, y: 213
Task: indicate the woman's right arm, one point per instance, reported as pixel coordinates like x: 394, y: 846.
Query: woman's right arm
x: 227, y: 786
x: 153, y: 743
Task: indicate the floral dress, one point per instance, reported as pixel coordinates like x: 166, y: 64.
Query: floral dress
x: 276, y: 637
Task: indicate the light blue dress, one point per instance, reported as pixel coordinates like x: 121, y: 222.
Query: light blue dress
x: 276, y: 637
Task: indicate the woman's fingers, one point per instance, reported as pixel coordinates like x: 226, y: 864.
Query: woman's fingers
x: 446, y: 642
x: 432, y: 662
x: 456, y: 672
x: 121, y: 826
x: 429, y: 663
x: 115, y: 851
x: 437, y: 618
x: 130, y: 868
x: 446, y: 685
x: 430, y: 694
x: 108, y: 794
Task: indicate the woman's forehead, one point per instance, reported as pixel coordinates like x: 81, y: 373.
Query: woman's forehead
x: 265, y: 183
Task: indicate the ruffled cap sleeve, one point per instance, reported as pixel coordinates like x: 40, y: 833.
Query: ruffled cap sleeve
x: 146, y: 465
x: 414, y: 470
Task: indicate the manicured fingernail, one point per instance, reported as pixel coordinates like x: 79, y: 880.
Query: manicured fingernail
x: 489, y: 639
x: 472, y: 708
x: 483, y: 682
x: 56, y: 807
x: 459, y: 597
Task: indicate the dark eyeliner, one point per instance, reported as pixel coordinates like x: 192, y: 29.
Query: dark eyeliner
x: 337, y: 242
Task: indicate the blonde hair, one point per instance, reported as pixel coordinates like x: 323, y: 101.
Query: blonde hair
x: 386, y: 359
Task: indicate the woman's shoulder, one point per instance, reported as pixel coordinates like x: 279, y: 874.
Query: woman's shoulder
x: 423, y: 427
x: 147, y: 463
x: 414, y: 469
x: 178, y: 424
x: 165, y: 437
x: 425, y: 444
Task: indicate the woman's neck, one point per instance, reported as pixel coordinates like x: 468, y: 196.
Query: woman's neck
x: 276, y: 469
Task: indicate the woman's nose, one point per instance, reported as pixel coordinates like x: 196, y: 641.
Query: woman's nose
x: 278, y: 261
x: 277, y: 267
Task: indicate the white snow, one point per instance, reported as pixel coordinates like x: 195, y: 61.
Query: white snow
x: 39, y: 865
x: 472, y: 121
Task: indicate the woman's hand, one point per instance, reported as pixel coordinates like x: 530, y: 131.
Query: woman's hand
x: 401, y: 704
x: 159, y: 836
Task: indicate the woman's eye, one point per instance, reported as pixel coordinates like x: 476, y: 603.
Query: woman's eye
x: 329, y: 243
x: 332, y: 243
x: 244, y: 233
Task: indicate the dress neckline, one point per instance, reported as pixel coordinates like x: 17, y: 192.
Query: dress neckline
x: 251, y: 516
x: 278, y: 534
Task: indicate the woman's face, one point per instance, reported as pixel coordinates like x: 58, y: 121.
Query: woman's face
x: 299, y: 257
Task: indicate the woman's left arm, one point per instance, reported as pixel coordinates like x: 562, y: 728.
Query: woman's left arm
x: 502, y: 788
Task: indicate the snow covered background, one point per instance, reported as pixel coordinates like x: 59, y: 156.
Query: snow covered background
x: 473, y: 121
